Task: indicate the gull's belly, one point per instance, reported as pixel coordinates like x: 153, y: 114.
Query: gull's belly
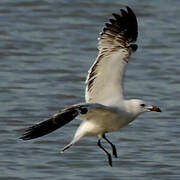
x: 99, y: 121
x: 109, y: 122
x: 112, y: 123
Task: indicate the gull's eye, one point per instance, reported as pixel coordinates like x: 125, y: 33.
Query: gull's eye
x: 142, y: 105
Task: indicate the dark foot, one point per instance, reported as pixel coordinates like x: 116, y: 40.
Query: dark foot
x: 108, y: 154
x: 114, y: 151
x: 109, y: 159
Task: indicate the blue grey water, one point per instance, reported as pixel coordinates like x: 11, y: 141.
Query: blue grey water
x: 46, y: 49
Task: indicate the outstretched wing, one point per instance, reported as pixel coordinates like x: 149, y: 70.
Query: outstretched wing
x: 60, y: 119
x: 104, y: 80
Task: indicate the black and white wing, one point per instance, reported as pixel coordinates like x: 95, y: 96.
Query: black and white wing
x: 81, y: 111
x: 55, y: 122
x: 104, y: 80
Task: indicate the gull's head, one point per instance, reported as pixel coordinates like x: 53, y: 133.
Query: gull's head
x: 138, y: 107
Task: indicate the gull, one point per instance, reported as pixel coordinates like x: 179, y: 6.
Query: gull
x: 105, y: 110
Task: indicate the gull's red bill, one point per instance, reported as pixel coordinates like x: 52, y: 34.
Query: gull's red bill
x: 155, y: 108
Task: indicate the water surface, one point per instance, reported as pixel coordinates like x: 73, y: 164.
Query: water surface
x: 46, y: 49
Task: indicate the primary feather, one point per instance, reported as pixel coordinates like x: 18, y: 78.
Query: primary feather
x: 55, y: 122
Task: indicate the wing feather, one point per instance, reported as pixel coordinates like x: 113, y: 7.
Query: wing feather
x: 81, y: 111
x: 104, y: 80
x: 55, y: 122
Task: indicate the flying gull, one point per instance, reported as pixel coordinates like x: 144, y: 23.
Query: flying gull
x: 105, y: 109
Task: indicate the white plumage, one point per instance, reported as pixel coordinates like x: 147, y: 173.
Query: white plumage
x: 105, y: 109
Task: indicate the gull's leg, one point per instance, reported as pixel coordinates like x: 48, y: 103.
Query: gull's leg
x: 112, y: 145
x: 108, y: 154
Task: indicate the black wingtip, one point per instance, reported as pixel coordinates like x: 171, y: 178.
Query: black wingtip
x: 129, y: 9
x: 49, y: 125
x: 53, y: 123
x: 32, y: 133
x: 29, y: 134
x: 125, y: 24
